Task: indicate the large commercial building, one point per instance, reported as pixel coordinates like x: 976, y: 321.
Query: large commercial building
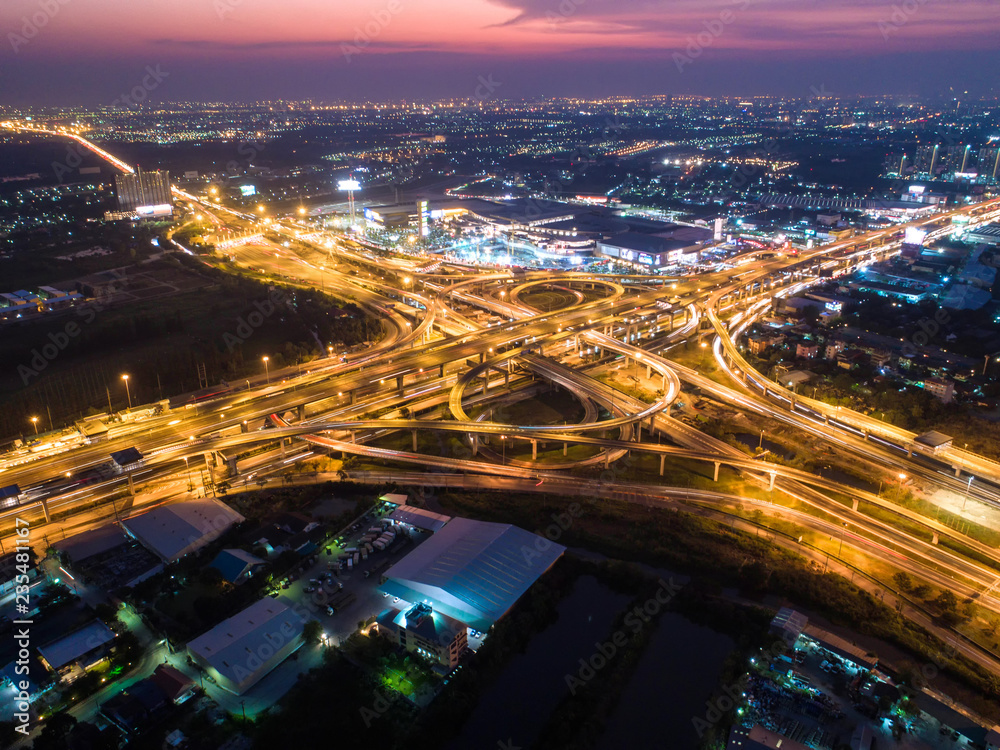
x: 653, y: 251
x: 173, y: 531
x: 472, y: 571
x: 240, y: 651
x: 146, y: 193
x: 988, y: 235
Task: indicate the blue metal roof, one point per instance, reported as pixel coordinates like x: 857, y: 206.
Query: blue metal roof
x: 472, y: 571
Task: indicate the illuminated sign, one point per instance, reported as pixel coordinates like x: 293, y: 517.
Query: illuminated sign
x: 646, y: 259
x: 917, y: 189
x: 163, y: 209
x: 348, y: 185
x: 914, y: 236
x: 248, y: 190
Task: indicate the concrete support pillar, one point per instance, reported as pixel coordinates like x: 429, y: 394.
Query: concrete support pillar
x: 565, y: 449
x: 281, y: 442
x: 854, y: 504
x: 302, y: 412
x: 482, y: 357
x: 958, y: 471
x: 638, y: 432
x: 399, y: 383
x: 234, y: 469
x: 663, y: 383
x: 45, y: 510
x: 607, y: 459
x: 715, y: 477
x: 441, y: 371
x: 935, y: 539
x: 354, y: 395
x: 475, y: 445
x: 414, y: 433
x: 354, y: 436
x: 534, y: 450
x: 506, y: 379
x: 131, y: 485
x: 663, y: 461
x: 649, y: 372
x: 770, y: 485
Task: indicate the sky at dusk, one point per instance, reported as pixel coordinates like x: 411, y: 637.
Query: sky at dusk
x: 92, y: 51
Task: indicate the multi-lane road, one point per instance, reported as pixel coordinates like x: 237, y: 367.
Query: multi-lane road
x: 465, y: 337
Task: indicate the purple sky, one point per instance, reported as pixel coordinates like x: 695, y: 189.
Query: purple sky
x: 91, y: 51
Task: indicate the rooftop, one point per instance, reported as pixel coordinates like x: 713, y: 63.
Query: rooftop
x: 472, y: 571
x: 79, y: 643
x: 173, y: 531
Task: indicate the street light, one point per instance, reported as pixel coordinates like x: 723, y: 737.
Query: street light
x: 267, y: 373
x: 967, y: 488
x: 128, y: 393
x: 34, y: 421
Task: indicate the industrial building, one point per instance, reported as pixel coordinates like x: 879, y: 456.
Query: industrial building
x: 430, y: 634
x: 79, y: 650
x: 472, y: 571
x: 145, y: 193
x: 987, y: 235
x: 240, y: 651
x: 176, y: 530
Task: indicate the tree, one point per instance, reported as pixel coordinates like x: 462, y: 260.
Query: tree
x: 312, y: 631
x: 903, y: 581
x: 54, y: 733
x: 947, y: 601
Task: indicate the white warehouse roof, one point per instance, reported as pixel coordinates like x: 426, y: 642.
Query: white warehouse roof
x: 244, y: 648
x: 173, y: 531
x: 472, y: 571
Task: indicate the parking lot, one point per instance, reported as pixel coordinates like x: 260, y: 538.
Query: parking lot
x: 342, y: 597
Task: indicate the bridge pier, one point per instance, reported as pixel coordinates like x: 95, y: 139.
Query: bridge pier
x: 399, y: 383
x: 354, y: 394
x: 770, y: 486
x: 475, y: 446
x: 414, y: 433
x: 441, y: 371
x: 854, y: 504
x: 280, y: 442
x: 716, y: 476
x: 233, y: 466
x: 958, y: 471
x: 131, y: 485
x: 934, y: 539
x: 638, y: 432
x: 534, y: 450
x: 302, y: 412
x: 607, y: 459
x: 353, y: 436
x: 45, y: 510
x: 565, y: 449
x: 663, y: 461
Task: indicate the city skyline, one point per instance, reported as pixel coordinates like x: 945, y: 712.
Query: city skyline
x: 232, y: 50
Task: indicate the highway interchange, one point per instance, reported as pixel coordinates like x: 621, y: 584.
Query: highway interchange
x: 461, y: 342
